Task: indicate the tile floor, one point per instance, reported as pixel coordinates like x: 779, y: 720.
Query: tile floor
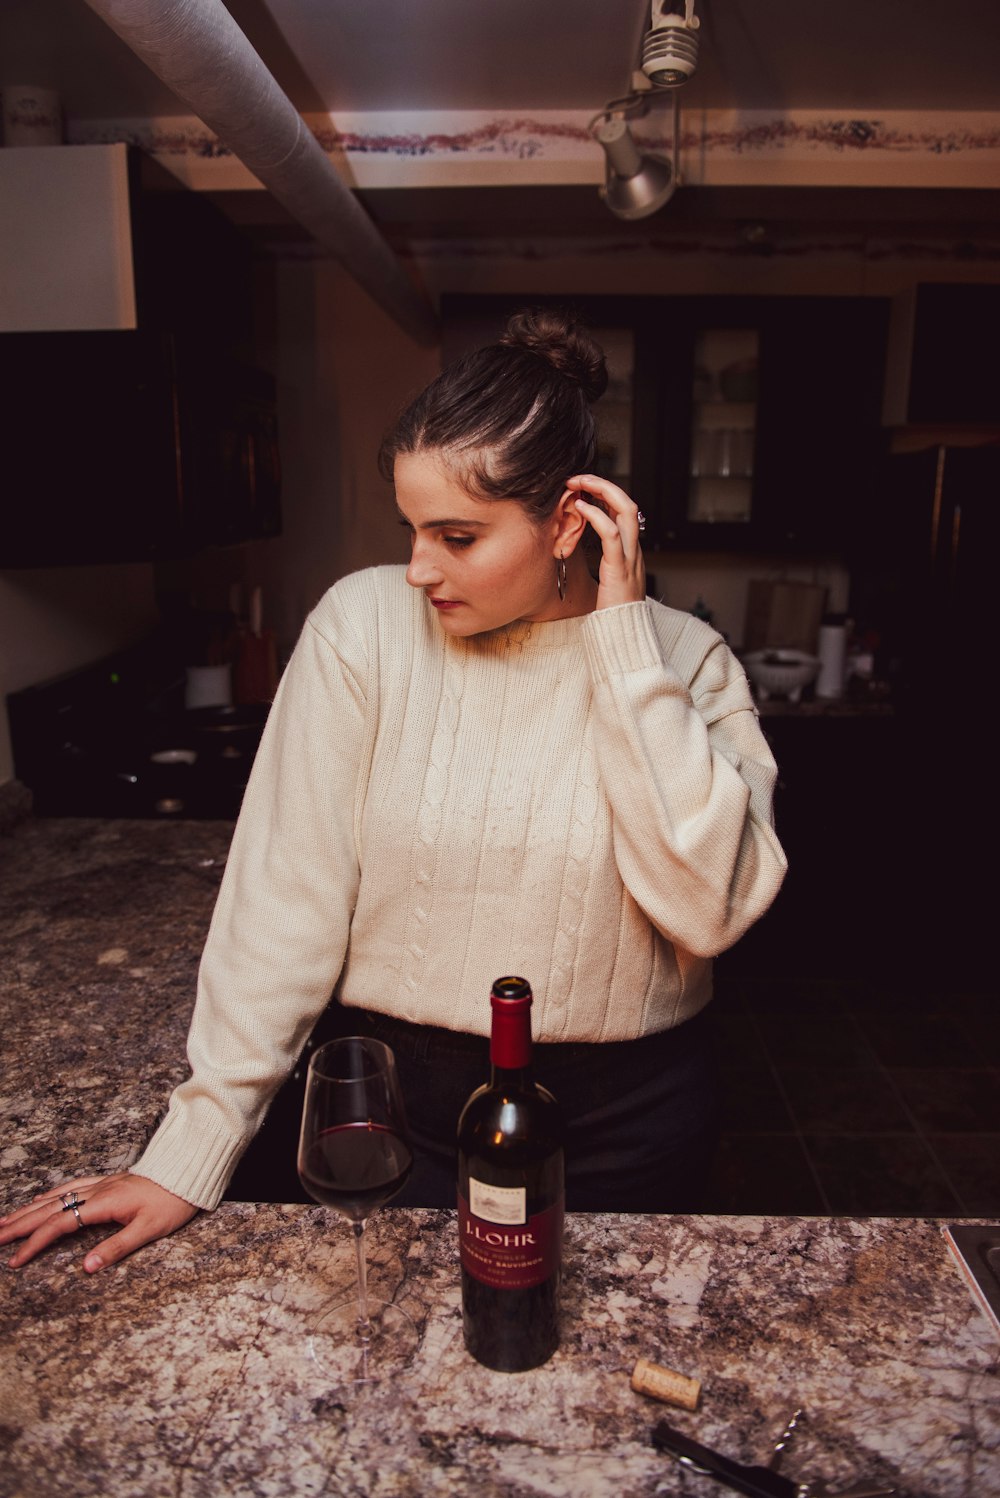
x: 857, y: 1097
x: 859, y: 1020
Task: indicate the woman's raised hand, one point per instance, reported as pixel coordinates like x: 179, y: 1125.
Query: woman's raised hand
x: 622, y: 577
x: 144, y: 1210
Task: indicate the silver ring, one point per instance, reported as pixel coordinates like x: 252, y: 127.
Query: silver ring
x: 69, y: 1200
x: 76, y: 1213
x: 642, y: 521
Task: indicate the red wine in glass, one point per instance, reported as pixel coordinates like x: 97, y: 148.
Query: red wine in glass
x: 356, y: 1167
x: 354, y: 1156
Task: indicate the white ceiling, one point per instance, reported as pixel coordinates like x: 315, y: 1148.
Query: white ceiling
x: 555, y: 54
x: 330, y: 55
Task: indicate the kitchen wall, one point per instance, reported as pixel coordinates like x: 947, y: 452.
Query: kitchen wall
x: 344, y: 371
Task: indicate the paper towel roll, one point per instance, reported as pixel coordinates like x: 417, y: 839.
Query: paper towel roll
x: 832, y: 654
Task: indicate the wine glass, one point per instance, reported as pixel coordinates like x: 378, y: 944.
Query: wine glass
x: 354, y: 1155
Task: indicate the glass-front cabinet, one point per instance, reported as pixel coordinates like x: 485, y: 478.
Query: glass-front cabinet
x: 737, y: 424
x: 723, y: 426
x: 614, y: 411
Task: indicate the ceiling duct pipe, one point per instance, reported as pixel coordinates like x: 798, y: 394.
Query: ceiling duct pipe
x: 196, y: 48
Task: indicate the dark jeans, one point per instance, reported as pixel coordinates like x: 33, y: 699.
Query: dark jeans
x: 642, y: 1115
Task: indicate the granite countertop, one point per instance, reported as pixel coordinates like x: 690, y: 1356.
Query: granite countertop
x: 184, y: 1370
x: 101, y: 932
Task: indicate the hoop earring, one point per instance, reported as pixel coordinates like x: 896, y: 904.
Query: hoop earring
x: 561, y: 577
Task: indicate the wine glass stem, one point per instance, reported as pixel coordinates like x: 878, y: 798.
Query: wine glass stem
x: 364, y: 1323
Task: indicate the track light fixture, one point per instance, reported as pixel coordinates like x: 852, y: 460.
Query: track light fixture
x: 670, y: 47
x: 637, y: 183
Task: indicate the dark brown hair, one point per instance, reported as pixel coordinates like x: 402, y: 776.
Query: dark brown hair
x: 513, y: 419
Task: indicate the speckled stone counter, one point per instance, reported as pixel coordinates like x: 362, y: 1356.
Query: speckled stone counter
x: 185, y: 1370
x: 101, y: 930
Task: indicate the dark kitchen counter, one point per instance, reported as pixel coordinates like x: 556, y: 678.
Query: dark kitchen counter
x: 183, y: 1370
x: 825, y: 708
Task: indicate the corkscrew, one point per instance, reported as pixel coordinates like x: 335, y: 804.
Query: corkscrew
x: 754, y: 1481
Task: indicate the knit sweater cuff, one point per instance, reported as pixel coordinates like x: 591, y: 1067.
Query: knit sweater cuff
x: 620, y: 640
x: 191, y: 1155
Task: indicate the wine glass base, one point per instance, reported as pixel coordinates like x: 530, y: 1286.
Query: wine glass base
x: 334, y: 1342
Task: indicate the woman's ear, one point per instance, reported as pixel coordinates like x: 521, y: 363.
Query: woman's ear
x: 569, y: 525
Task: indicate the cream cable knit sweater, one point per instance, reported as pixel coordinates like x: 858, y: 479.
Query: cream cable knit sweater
x: 586, y: 801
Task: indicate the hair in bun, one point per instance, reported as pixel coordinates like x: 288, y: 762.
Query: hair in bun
x: 564, y: 343
x: 513, y: 419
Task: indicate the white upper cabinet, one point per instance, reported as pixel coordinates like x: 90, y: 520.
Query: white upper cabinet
x: 65, y: 239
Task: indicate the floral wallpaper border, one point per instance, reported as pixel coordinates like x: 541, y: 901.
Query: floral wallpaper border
x: 559, y: 137
x: 717, y: 148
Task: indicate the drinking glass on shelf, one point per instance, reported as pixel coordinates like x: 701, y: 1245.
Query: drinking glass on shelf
x: 741, y: 452
x: 703, y: 458
x: 724, y: 460
x: 354, y: 1156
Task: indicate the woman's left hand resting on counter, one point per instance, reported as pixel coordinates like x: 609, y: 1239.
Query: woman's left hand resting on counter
x: 144, y: 1210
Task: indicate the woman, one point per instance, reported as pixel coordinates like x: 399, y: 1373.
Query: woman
x: 490, y: 761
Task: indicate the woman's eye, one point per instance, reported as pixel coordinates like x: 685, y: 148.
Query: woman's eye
x: 459, y: 540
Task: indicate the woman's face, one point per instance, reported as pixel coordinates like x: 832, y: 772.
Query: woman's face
x: 481, y: 563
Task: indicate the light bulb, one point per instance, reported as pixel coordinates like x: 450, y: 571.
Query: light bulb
x: 670, y: 47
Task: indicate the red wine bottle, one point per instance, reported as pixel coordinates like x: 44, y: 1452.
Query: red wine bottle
x: 510, y: 1199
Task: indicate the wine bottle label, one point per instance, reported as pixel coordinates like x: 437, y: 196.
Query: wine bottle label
x: 510, y: 1256
x: 507, y: 1204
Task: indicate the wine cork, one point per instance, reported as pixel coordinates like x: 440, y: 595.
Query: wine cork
x: 665, y: 1384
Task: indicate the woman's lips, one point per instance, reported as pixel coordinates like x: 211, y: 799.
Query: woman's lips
x: 445, y: 603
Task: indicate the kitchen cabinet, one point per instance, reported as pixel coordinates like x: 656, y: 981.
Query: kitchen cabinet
x: 66, y: 251
x: 924, y: 571
x: 881, y: 803
x: 723, y: 434
x: 843, y: 809
x: 886, y: 823
x: 751, y: 421
x: 942, y: 366
x: 132, y: 446
x: 151, y: 434
x: 767, y: 411
x: 104, y: 238
x: 923, y: 578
